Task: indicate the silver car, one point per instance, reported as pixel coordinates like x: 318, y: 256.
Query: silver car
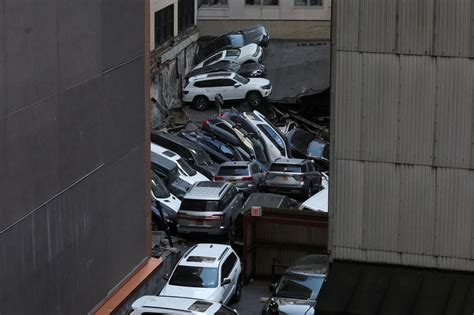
x: 245, y: 175
x: 292, y: 177
x: 209, y: 207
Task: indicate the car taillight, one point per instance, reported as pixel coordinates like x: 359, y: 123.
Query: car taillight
x: 247, y: 178
x: 183, y: 216
x: 301, y: 177
x: 218, y: 177
x: 205, y: 124
x: 215, y: 217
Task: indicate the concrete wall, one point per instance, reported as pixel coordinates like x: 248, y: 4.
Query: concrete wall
x: 402, y: 133
x: 72, y: 115
x: 278, y: 29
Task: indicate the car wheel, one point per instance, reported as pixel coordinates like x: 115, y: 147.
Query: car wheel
x: 254, y: 98
x: 201, y: 103
x: 238, y: 291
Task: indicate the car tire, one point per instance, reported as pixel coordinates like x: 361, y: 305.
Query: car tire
x: 201, y: 103
x: 238, y: 291
x: 254, y: 98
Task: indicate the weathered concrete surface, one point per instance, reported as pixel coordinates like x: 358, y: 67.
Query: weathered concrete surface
x: 297, y: 68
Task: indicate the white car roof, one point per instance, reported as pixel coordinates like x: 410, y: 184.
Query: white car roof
x: 318, y: 202
x: 152, y: 303
x: 168, y: 154
x: 205, y: 255
x: 223, y: 74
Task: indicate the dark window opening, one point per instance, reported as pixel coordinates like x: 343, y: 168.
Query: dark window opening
x: 185, y: 14
x: 164, y: 25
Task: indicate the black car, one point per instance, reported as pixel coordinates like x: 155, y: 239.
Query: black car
x: 297, y: 290
x: 256, y: 34
x: 248, y: 70
x: 160, y: 192
x: 191, y: 152
x: 169, y: 173
x: 220, y: 152
x: 304, y: 145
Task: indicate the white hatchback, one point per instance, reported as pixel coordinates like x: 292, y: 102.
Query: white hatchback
x: 207, y: 271
x: 203, y: 88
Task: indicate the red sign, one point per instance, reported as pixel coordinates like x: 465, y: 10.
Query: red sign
x: 256, y: 211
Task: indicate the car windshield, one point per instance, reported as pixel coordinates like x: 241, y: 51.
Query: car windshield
x: 158, y: 188
x: 213, y: 59
x: 292, y: 168
x: 237, y: 40
x: 273, y: 137
x: 232, y: 54
x: 186, y: 167
x: 297, y: 286
x: 224, y: 310
x: 233, y: 171
x: 316, y: 149
x: 241, y: 79
x: 199, y: 205
x: 189, y: 276
x: 202, y: 158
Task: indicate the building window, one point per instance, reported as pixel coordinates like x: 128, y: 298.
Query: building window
x: 309, y: 2
x: 164, y: 25
x: 215, y: 2
x: 261, y: 2
x: 185, y: 14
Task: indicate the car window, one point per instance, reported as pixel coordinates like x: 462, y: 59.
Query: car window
x: 199, y: 205
x: 158, y: 188
x: 241, y: 79
x: 202, y: 158
x: 213, y: 58
x: 233, y: 171
x: 298, y: 286
x: 186, y: 167
x: 189, y: 276
x: 201, y: 84
x: 292, y: 168
x: 255, y: 169
x: 227, y: 82
x: 273, y: 137
x: 316, y: 149
x: 236, y: 40
x: 228, y: 265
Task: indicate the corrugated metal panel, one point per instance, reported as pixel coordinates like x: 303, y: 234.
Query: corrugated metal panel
x: 378, y: 25
x: 415, y: 26
x: 416, y: 110
x: 380, y: 206
x: 454, y: 97
x: 348, y: 105
x: 454, y: 212
x: 347, y: 36
x: 347, y: 211
x: 452, y: 28
x: 379, y: 107
x: 416, y: 209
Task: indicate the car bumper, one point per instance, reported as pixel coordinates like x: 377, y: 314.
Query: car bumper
x: 187, y: 98
x: 220, y: 230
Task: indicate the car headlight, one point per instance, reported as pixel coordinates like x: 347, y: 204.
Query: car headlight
x: 267, y: 87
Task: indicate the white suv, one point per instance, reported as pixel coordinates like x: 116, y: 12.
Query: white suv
x: 150, y: 304
x: 207, y: 271
x: 203, y: 88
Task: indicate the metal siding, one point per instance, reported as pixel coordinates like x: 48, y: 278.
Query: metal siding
x: 379, y: 107
x: 415, y: 26
x: 416, y: 110
x: 348, y: 105
x: 452, y: 28
x: 455, y: 77
x: 380, y: 206
x: 378, y: 25
x: 454, y: 212
x: 416, y: 209
x: 347, y: 210
x: 347, y: 34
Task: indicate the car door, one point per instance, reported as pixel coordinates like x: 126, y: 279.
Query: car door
x: 212, y: 89
x: 228, y: 271
x: 229, y: 92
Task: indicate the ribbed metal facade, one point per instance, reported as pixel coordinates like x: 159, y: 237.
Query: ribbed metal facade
x: 403, y: 132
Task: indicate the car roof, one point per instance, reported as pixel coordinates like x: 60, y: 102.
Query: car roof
x: 289, y: 161
x: 162, y: 161
x: 174, y: 303
x: 167, y: 154
x: 265, y: 200
x: 207, y: 190
x: 236, y: 163
x: 176, y: 139
x: 205, y: 254
x: 205, y: 76
x: 310, y: 264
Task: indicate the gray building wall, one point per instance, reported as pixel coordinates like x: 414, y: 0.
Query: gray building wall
x: 402, y: 185
x: 72, y: 113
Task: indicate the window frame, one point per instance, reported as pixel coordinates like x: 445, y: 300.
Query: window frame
x: 262, y: 4
x: 308, y: 5
x: 164, y: 23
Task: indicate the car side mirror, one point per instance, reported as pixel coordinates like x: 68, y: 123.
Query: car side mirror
x: 225, y: 281
x: 237, y: 85
x: 166, y: 276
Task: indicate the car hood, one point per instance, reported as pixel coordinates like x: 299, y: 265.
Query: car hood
x: 294, y: 306
x: 251, y: 67
x: 248, y: 50
x: 197, y: 178
x: 259, y: 81
x: 209, y: 294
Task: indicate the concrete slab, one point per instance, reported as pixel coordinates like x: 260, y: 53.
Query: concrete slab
x: 297, y: 68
